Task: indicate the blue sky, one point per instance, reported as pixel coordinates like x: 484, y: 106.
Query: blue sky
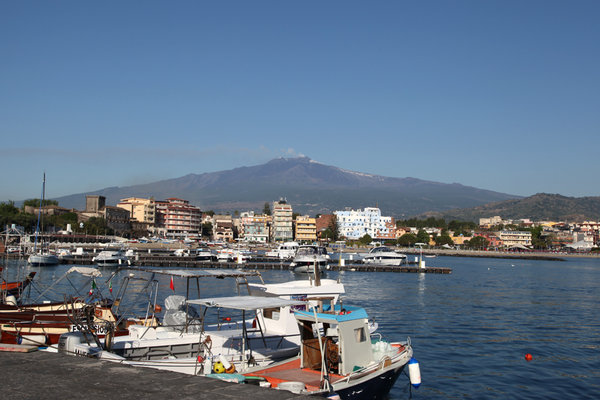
x: 500, y: 95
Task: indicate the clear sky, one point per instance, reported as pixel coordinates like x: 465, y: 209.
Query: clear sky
x: 500, y: 95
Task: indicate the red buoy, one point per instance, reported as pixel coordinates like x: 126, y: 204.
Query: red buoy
x: 528, y: 357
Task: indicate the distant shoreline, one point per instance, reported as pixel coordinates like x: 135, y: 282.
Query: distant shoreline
x: 547, y: 256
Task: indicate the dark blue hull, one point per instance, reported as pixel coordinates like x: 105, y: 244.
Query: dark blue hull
x: 377, y: 388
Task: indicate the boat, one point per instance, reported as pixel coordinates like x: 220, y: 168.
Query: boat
x: 310, y: 258
x: 345, y: 362
x: 383, y: 255
x: 42, y: 256
x: 268, y: 334
x: 42, y: 323
x: 204, y: 254
x: 285, y: 251
x: 111, y: 258
x: 11, y: 291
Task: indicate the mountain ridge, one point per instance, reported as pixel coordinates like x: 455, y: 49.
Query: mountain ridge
x: 310, y: 186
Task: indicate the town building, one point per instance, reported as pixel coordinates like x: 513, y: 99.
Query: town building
x: 518, y: 239
x: 178, y: 217
x: 306, y: 229
x: 255, y: 228
x: 223, y: 228
x: 282, y: 225
x: 140, y: 209
x: 354, y: 224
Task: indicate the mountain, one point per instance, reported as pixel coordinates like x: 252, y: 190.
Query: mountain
x: 539, y: 207
x: 309, y: 186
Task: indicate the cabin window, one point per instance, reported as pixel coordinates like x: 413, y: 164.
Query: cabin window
x: 271, y: 313
x: 359, y: 335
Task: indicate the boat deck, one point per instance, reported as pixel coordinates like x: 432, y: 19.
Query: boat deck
x: 291, y: 372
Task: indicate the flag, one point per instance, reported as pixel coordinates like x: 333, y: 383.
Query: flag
x: 110, y: 286
x: 171, y: 285
x: 93, y: 286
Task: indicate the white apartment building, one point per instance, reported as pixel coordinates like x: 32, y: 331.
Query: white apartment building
x: 178, y: 217
x: 354, y: 224
x: 282, y: 228
x: 514, y: 238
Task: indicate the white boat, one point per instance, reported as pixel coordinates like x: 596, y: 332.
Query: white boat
x: 383, y: 255
x: 204, y: 254
x: 343, y: 362
x: 42, y: 258
x: 109, y: 258
x: 285, y: 251
x: 310, y: 258
x: 305, y: 289
x: 190, y: 349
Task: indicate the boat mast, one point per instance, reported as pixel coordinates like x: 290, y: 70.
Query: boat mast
x: 37, y: 228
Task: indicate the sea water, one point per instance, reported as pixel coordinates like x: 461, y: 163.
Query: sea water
x: 470, y: 330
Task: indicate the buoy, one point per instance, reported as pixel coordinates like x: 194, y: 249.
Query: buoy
x: 528, y: 357
x: 218, y: 367
x: 228, y: 367
x: 414, y: 373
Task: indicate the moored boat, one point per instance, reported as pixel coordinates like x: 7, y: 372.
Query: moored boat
x: 383, y: 255
x: 347, y: 361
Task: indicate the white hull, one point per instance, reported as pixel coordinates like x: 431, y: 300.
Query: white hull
x: 43, y: 259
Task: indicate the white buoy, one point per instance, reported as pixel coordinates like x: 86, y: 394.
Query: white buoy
x: 414, y: 373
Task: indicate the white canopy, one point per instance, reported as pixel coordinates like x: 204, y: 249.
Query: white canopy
x: 248, y: 303
x: 86, y: 271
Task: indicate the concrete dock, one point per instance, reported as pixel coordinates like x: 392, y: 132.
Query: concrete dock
x: 43, y: 375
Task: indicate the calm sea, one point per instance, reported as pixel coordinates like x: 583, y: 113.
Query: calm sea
x: 471, y: 330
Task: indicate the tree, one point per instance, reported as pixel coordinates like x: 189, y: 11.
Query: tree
x: 207, y: 229
x: 423, y: 237
x: 267, y: 209
x: 443, y: 239
x: 478, y: 242
x: 365, y: 240
x: 408, y: 239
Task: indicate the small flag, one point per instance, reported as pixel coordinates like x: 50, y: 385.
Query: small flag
x: 93, y: 286
x: 110, y: 286
x: 171, y: 285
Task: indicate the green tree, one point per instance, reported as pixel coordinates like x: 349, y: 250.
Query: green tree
x: 207, y: 229
x: 267, y: 209
x: 365, y: 240
x: 443, y: 239
x: 36, y: 203
x: 423, y: 237
x: 478, y: 242
x: 407, y: 240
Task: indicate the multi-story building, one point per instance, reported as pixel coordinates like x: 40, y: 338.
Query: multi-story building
x: 255, y: 228
x: 514, y: 238
x: 282, y: 226
x: 306, y: 229
x: 223, y: 228
x: 178, y: 217
x: 354, y: 224
x: 141, y: 210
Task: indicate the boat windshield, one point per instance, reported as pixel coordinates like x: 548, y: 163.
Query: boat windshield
x: 306, y: 251
x: 382, y: 250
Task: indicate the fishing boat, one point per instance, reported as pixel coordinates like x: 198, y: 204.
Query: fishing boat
x: 185, y: 336
x: 310, y: 258
x: 345, y: 362
x: 41, y: 323
x: 11, y: 291
x: 383, y: 255
x: 41, y: 256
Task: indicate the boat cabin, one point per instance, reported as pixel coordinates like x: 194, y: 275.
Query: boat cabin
x: 346, y: 343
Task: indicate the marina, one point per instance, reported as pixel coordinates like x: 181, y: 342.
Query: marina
x: 470, y: 330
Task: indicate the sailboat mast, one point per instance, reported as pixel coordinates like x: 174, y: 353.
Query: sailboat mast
x: 37, y: 228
